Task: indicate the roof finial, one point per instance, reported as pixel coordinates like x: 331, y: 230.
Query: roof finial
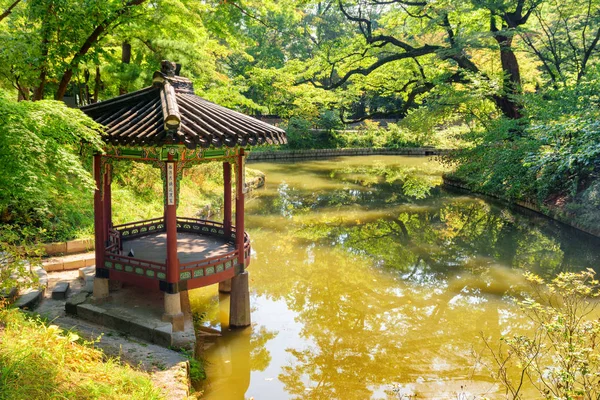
x: 168, y: 68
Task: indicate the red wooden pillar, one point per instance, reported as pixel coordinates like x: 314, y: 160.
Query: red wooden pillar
x: 227, y: 198
x: 98, y: 216
x: 107, y: 202
x: 171, y: 223
x: 239, y: 208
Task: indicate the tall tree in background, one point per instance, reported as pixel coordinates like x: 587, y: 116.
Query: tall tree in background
x: 395, y: 31
x: 59, y: 48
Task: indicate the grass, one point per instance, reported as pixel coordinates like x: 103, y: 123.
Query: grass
x: 41, y: 361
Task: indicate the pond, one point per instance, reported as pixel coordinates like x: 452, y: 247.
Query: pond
x: 370, y: 280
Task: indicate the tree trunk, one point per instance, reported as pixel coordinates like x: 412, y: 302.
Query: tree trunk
x: 87, y: 45
x: 511, y: 83
x: 39, y: 90
x: 23, y: 93
x: 125, y: 59
x: 97, y: 84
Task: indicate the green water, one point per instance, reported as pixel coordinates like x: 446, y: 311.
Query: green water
x: 368, y: 280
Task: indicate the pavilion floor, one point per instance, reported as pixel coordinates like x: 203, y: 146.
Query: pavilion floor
x: 190, y: 247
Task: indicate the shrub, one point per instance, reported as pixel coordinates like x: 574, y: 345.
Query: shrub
x: 560, y: 357
x: 547, y: 158
x: 43, y: 146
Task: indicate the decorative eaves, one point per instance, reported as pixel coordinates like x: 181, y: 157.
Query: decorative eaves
x: 170, y: 113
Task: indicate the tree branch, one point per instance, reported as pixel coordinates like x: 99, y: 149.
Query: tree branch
x: 424, y: 88
x: 250, y: 15
x: 417, y: 52
x: 7, y: 12
x: 587, y: 55
x: 89, y: 42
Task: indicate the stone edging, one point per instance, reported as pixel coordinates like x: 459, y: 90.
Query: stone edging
x: 556, y: 215
x: 70, y: 247
x: 298, y: 154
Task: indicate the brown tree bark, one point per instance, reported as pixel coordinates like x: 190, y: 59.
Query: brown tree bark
x: 7, y: 12
x: 38, y: 94
x: 97, y: 85
x: 511, y: 83
x: 87, y: 45
x: 125, y: 59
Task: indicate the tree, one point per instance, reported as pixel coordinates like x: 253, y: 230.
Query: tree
x: 62, y: 48
x: 43, y: 178
x: 443, y: 34
x: 560, y: 358
x: 564, y: 37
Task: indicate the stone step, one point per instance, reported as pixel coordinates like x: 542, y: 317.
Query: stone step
x: 88, y: 271
x: 42, y: 277
x: 30, y: 300
x: 60, y: 290
x: 74, y: 301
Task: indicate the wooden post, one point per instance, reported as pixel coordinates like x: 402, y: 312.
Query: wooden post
x: 227, y: 198
x: 171, y: 221
x: 101, y: 278
x: 172, y: 296
x: 225, y: 286
x: 239, y: 209
x: 107, y: 202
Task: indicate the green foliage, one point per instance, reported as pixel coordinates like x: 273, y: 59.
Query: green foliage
x: 43, y: 178
x: 137, y: 191
x: 560, y: 358
x: 301, y: 135
x: 567, y: 129
x: 329, y: 121
x: 17, y: 262
x: 41, y: 361
x: 555, y: 156
x: 496, y: 165
x: 370, y: 134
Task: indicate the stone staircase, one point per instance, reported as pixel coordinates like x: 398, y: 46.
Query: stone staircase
x: 29, y: 298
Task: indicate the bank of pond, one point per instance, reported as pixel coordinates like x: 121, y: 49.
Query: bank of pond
x: 371, y: 280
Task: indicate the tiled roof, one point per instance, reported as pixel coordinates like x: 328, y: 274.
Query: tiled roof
x: 170, y: 113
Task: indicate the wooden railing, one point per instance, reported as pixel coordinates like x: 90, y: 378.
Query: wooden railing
x: 205, y: 227
x: 213, y: 265
x: 114, y: 241
x: 207, y: 268
x: 140, y: 228
x: 145, y: 268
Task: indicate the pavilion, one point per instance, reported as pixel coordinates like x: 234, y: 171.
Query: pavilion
x: 171, y: 128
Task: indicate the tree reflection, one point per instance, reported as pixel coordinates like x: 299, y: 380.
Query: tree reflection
x: 363, y: 329
x: 391, y: 282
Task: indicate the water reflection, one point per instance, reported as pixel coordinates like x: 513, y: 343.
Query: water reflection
x: 366, y: 286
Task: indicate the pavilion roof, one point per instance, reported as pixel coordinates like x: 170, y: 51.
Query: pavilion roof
x: 170, y: 113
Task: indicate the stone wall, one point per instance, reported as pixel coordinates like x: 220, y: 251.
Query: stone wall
x: 324, y: 153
